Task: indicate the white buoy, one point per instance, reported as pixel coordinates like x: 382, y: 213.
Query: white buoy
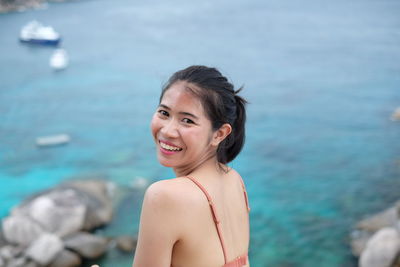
x: 59, y: 59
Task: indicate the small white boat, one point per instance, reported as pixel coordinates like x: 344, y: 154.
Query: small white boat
x: 53, y: 140
x: 59, y: 59
x: 35, y: 33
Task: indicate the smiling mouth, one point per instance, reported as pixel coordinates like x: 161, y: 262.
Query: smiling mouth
x: 169, y: 147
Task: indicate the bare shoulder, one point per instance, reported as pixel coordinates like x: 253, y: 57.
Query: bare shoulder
x: 172, y: 192
x: 234, y: 174
x: 160, y: 224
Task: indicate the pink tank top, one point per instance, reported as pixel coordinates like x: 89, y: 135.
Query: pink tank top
x: 238, y: 261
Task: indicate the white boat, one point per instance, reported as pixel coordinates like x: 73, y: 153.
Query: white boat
x: 59, y: 59
x: 53, y: 140
x: 34, y: 32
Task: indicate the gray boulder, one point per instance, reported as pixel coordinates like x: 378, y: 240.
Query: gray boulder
x: 17, y: 262
x: 68, y: 208
x: 97, y: 200
x: 359, y: 240
x: 44, y: 249
x: 87, y: 245
x: 126, y: 243
x: 30, y: 263
x: 58, y: 211
x: 382, y: 249
x: 20, y: 229
x: 39, y: 223
x: 66, y: 258
x: 369, y: 226
x: 386, y: 218
x: 396, y: 114
x: 9, y: 252
x: 3, y: 240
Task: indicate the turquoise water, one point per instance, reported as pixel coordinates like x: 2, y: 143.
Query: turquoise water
x: 322, y: 78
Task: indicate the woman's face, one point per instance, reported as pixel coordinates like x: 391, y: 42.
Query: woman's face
x: 181, y: 130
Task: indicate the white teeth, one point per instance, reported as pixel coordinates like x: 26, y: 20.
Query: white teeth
x: 168, y: 147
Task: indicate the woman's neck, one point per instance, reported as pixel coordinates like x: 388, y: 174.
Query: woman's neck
x: 209, y: 165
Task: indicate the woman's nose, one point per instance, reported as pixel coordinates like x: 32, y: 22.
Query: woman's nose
x: 170, y: 129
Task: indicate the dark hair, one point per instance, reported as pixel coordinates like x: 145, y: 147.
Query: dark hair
x: 221, y: 104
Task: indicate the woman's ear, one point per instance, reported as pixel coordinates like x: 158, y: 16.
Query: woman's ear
x: 220, y: 134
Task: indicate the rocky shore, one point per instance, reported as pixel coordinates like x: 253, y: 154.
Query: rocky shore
x: 396, y: 114
x: 376, y: 240
x: 21, y: 5
x: 55, y: 227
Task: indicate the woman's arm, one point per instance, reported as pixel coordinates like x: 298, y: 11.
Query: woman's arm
x: 159, y: 226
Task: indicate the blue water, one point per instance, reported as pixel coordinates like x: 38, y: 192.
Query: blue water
x: 322, y: 78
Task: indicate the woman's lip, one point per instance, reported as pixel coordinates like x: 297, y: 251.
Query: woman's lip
x: 168, y: 143
x: 168, y: 152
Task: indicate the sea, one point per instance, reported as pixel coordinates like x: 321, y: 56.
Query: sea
x: 322, y: 79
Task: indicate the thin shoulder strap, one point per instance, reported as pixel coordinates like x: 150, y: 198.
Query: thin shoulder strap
x: 245, y: 195
x: 214, y: 214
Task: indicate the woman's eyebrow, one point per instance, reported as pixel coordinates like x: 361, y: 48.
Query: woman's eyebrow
x: 182, y: 112
x: 163, y: 106
x: 188, y: 114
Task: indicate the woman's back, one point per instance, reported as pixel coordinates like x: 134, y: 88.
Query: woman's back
x: 200, y: 244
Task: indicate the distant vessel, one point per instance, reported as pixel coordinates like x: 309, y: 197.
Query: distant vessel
x: 53, y: 140
x: 34, y: 32
x: 59, y: 59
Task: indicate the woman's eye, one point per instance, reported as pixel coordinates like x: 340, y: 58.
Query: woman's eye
x: 186, y: 120
x: 163, y: 112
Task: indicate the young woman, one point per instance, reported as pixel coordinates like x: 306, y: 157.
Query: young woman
x: 200, y: 218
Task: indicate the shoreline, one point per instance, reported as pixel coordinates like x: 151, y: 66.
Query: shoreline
x: 375, y: 240
x: 61, y: 226
x: 23, y: 5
